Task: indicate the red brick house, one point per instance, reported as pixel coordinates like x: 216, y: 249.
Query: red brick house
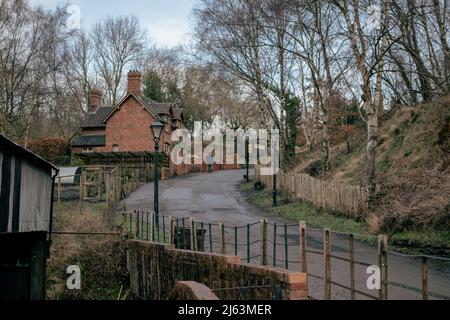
x: 124, y: 128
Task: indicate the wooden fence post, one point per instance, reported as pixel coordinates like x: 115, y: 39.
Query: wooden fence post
x: 304, y: 262
x: 222, y: 237
x: 81, y: 186
x: 424, y: 278
x: 264, y: 242
x: 382, y: 253
x: 108, y: 195
x: 352, y: 265
x: 327, y: 263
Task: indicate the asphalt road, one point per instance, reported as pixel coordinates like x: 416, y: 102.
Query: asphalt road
x: 215, y: 198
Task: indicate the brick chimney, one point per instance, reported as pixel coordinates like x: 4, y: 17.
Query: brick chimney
x: 135, y: 82
x: 95, y: 100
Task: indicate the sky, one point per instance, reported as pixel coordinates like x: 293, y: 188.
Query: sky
x: 167, y: 22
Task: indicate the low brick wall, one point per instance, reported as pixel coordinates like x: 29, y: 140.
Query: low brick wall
x: 156, y: 268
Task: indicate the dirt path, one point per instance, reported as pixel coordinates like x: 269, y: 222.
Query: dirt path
x: 214, y: 198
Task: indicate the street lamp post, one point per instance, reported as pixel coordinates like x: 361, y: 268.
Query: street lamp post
x: 156, y: 129
x: 274, y: 181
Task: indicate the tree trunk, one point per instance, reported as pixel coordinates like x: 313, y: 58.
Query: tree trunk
x: 369, y: 177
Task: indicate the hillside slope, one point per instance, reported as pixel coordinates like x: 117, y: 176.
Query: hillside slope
x: 413, y: 168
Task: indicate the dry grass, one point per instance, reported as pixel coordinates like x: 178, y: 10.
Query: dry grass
x: 102, y: 259
x: 413, y: 169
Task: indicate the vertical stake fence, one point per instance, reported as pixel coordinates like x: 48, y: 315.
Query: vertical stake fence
x: 382, y: 253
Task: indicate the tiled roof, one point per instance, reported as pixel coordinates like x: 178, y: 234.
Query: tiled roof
x: 89, y: 141
x: 95, y: 120
x: 156, y: 107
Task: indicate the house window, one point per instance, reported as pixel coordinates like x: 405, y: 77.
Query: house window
x: 87, y: 150
x: 115, y: 148
x: 166, y: 149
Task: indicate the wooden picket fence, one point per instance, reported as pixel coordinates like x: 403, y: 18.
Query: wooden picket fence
x: 331, y: 195
x: 105, y: 183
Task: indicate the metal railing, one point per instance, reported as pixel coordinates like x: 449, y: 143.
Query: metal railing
x: 286, y: 246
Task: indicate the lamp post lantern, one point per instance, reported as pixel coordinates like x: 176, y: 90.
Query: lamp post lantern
x: 156, y: 129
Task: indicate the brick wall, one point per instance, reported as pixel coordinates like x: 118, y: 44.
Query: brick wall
x: 155, y: 269
x: 129, y: 128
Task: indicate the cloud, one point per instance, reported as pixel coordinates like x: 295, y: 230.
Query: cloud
x: 169, y: 33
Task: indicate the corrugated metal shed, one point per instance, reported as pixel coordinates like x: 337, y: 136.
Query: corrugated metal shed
x: 25, y: 189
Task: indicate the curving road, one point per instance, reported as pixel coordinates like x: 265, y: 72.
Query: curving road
x: 214, y: 198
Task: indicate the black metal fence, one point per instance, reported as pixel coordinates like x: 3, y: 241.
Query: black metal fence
x: 336, y: 263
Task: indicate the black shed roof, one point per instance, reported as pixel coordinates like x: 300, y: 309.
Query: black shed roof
x: 7, y: 145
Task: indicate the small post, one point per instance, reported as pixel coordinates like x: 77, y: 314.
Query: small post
x: 142, y: 225
x: 107, y: 194
x: 137, y: 224
x: 222, y: 237
x: 304, y: 263
x: 352, y: 265
x: 424, y: 278
x: 286, y: 247
x: 210, y: 238
x: 59, y: 190
x: 152, y: 229
x: 81, y: 186
x: 327, y: 263
x: 170, y: 235
x: 164, y: 228
x: 125, y: 232
x: 382, y: 254
x: 148, y: 226
x: 248, y: 243
x: 193, y: 233
x: 275, y: 244
x: 203, y: 238
x: 130, y: 214
x: 264, y: 242
x: 184, y: 234
x: 235, y: 241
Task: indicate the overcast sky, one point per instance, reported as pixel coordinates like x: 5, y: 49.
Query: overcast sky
x: 167, y: 21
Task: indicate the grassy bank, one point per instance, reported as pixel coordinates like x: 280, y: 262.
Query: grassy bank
x: 101, y: 258
x: 411, y: 242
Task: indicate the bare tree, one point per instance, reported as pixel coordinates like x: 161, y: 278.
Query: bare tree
x: 27, y: 39
x: 119, y: 44
x: 369, y: 47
